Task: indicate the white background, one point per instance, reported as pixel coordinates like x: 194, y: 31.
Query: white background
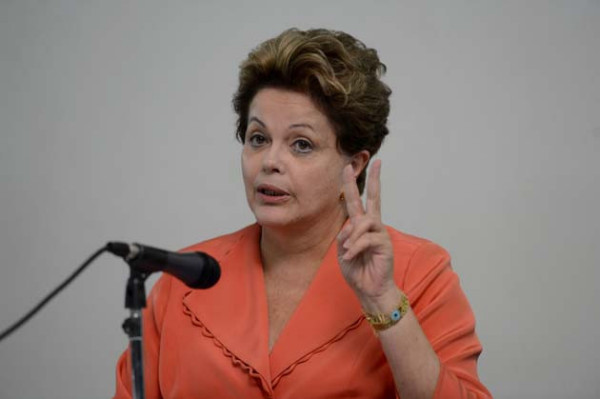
x: 116, y: 124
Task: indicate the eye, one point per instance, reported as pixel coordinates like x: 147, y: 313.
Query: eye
x: 257, y: 139
x: 302, y: 146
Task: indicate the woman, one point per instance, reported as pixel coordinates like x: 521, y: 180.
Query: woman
x: 318, y: 299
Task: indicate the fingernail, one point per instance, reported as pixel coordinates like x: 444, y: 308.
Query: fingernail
x: 346, y: 244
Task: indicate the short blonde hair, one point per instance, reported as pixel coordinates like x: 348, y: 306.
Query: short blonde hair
x: 337, y: 71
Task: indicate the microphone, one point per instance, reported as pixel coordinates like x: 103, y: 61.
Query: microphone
x: 195, y: 269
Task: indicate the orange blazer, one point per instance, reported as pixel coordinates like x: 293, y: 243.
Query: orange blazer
x: 214, y: 343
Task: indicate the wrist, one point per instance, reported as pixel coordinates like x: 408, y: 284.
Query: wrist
x: 385, y: 302
x: 382, y: 320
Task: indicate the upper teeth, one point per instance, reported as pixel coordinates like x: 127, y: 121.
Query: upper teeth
x: 270, y: 192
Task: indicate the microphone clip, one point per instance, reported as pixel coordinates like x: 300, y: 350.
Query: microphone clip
x: 135, y: 290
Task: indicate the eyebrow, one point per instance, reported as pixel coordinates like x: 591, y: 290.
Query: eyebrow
x: 305, y: 125
x: 255, y: 119
x: 292, y: 126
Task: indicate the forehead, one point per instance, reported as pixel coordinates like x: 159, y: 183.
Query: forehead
x: 275, y: 103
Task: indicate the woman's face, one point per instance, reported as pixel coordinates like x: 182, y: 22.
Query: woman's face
x: 291, y: 166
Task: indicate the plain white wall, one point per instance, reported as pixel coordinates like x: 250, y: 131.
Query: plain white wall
x: 116, y: 124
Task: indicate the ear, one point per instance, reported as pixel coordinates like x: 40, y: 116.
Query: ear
x: 359, y: 162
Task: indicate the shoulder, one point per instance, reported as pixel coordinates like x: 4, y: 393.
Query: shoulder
x: 417, y: 260
x: 406, y: 246
x: 220, y: 246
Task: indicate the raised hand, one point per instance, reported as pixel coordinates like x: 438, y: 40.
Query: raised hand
x: 365, y: 250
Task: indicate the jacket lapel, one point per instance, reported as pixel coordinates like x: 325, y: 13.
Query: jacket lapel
x: 235, y: 309
x: 328, y: 309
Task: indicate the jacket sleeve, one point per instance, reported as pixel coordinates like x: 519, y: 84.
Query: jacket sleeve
x: 447, y: 320
x: 152, y: 323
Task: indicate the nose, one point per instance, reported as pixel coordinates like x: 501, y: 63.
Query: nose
x: 273, y: 160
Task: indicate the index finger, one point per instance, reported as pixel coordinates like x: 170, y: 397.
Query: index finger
x: 374, y: 189
x: 354, y: 205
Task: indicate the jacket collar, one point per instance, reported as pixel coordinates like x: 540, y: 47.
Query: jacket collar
x: 235, y: 309
x: 328, y: 310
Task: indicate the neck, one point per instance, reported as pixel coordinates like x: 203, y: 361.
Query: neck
x: 301, y: 244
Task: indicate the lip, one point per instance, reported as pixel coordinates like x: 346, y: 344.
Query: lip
x: 271, y: 199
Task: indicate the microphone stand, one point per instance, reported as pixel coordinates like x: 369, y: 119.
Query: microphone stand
x: 135, y: 301
x: 197, y: 270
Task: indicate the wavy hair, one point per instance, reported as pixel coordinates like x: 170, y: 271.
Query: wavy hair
x: 336, y: 70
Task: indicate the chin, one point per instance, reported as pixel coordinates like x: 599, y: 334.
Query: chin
x: 274, y: 222
x: 274, y: 218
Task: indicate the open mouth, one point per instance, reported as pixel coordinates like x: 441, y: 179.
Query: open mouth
x: 271, y: 191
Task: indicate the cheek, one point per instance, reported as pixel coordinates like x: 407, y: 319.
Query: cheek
x: 246, y: 167
x: 247, y: 177
x: 323, y: 181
